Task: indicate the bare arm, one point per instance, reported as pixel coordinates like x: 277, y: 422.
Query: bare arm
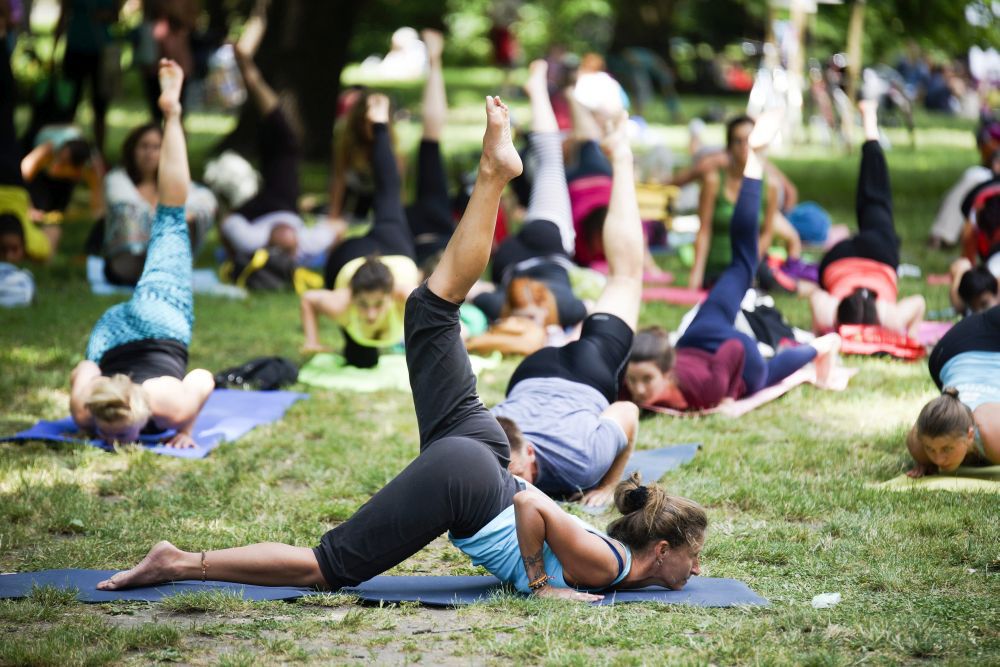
x: 332, y: 303
x: 911, y: 313
x: 586, y: 559
x: 923, y: 465
x: 81, y: 377
x: 706, y: 211
x: 958, y: 268
x: 626, y: 415
x: 699, y: 169
x: 987, y: 417
x: 94, y: 176
x: 35, y: 161
x: 767, y: 229
x: 824, y: 310
x: 176, y: 403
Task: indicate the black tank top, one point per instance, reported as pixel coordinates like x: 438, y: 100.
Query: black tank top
x: 50, y: 194
x: 145, y: 359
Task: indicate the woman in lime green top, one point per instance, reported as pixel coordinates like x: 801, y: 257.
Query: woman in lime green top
x: 720, y: 184
x: 368, y: 278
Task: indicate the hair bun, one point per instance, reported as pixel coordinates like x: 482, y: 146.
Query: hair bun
x: 950, y: 391
x: 637, y: 498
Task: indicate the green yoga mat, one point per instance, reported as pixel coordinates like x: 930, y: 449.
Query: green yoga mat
x: 967, y: 478
x: 328, y: 371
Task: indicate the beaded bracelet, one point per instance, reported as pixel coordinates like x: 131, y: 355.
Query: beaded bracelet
x: 540, y: 583
x: 204, y: 566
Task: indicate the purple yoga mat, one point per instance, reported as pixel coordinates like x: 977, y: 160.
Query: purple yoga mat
x: 227, y: 415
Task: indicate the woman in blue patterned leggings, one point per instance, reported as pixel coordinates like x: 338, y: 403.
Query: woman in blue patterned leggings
x: 135, y: 377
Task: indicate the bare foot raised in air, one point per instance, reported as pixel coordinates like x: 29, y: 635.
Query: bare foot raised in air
x: 378, y: 109
x: 615, y: 142
x: 171, y: 79
x: 766, y: 128
x: 157, y: 566
x: 434, y: 42
x: 827, y: 349
x: 869, y: 118
x: 538, y: 78
x: 500, y: 158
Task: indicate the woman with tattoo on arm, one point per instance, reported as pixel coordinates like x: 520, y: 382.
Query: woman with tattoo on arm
x: 459, y: 481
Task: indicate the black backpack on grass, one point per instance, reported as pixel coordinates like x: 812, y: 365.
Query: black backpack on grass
x: 262, y: 373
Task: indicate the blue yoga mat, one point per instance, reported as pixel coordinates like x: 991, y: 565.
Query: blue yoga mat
x: 655, y: 463
x: 428, y: 590
x: 652, y: 464
x: 227, y: 415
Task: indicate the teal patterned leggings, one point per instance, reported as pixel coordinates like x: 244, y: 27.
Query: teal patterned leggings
x: 162, y: 305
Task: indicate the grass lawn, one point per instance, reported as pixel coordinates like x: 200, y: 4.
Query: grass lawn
x: 787, y: 488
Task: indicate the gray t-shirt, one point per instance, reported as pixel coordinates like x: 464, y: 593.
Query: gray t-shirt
x: 574, y: 445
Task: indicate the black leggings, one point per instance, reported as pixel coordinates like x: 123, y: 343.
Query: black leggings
x: 597, y: 359
x: 459, y: 480
x: 590, y: 161
x: 876, y: 238
x: 430, y: 219
x: 975, y: 333
x: 389, y: 234
x: 279, y: 168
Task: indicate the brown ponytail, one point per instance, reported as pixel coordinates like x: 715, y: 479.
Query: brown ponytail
x: 650, y: 514
x: 944, y: 415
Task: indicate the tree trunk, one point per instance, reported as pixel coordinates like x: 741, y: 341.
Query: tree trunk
x: 302, y: 55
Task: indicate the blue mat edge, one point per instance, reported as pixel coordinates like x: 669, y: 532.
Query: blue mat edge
x: 487, y: 587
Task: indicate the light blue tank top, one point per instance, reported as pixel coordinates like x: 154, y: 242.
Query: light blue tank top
x: 976, y: 375
x: 495, y: 547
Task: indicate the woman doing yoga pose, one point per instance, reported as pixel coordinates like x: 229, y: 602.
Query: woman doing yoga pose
x: 369, y: 278
x: 962, y: 425
x: 530, y: 269
x: 459, y: 481
x: 712, y: 360
x: 134, y: 377
x: 858, y: 275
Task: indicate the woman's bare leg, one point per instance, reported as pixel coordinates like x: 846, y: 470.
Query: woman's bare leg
x: 468, y: 252
x: 174, y: 176
x: 264, y: 564
x: 435, y: 101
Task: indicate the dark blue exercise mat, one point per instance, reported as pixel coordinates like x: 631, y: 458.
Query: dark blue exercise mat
x: 428, y: 590
x: 652, y: 464
x: 227, y: 415
x: 655, y: 463
x: 85, y: 582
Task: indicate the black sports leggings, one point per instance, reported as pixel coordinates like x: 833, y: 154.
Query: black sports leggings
x: 430, y: 219
x: 279, y: 167
x: 389, y: 234
x: 459, y: 480
x: 876, y: 238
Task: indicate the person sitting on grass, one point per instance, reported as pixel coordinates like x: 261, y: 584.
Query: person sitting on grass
x: 459, y: 481
x: 567, y: 430
x: 857, y: 276
x: 135, y: 377
x: 713, y: 361
x: 962, y: 425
